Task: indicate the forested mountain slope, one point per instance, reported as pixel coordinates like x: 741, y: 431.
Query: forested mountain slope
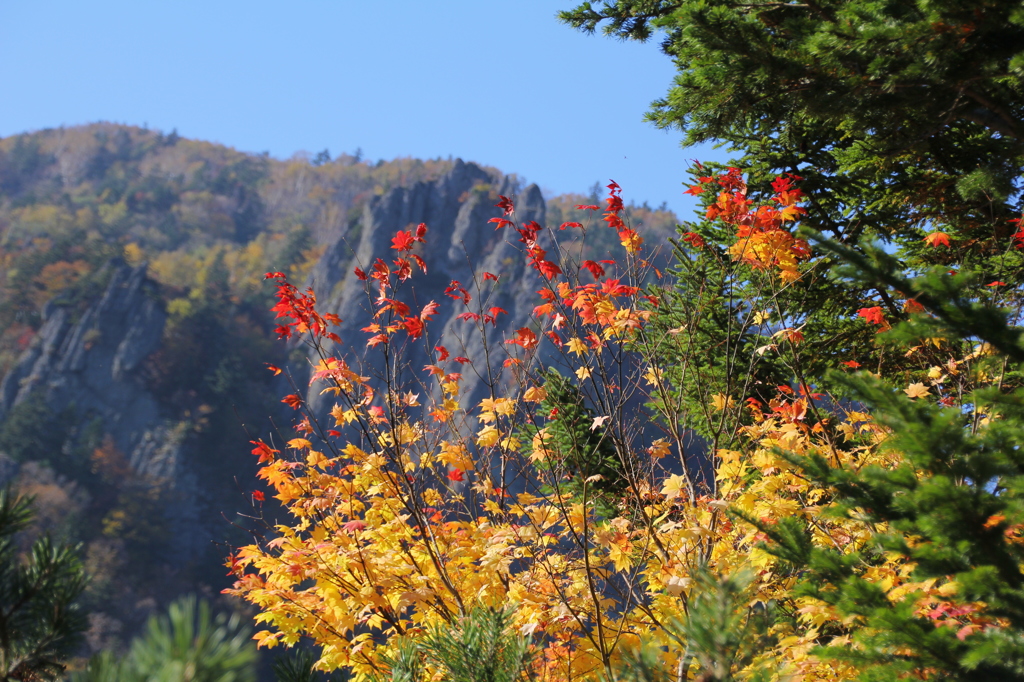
x: 134, y: 326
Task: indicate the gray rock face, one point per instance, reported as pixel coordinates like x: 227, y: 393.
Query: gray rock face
x: 460, y: 245
x: 91, y: 366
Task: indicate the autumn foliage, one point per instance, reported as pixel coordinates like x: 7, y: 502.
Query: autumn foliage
x: 582, y: 499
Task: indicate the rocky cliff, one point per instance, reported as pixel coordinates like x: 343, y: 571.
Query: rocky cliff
x: 460, y: 245
x: 88, y: 365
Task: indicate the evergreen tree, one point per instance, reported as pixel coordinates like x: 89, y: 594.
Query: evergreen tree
x: 722, y: 632
x: 299, y: 667
x: 187, y: 644
x: 583, y: 455
x: 479, y: 648
x: 952, y: 508
x: 899, y: 114
x: 40, y: 623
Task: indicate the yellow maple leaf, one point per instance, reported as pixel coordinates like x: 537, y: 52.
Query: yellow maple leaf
x: 917, y: 390
x: 338, y: 412
x: 619, y: 554
x: 540, y: 452
x: 577, y: 346
x: 487, y: 436
x: 583, y: 373
x: 535, y: 394
x: 659, y: 448
x: 673, y: 487
x: 720, y: 401
x: 317, y: 459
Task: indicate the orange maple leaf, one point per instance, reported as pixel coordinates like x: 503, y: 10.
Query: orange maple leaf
x: 936, y: 238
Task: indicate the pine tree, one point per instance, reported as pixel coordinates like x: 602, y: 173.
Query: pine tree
x: 40, y: 623
x: 953, y: 509
x: 187, y: 644
x: 722, y: 631
x: 481, y: 647
x: 900, y: 115
x: 583, y: 455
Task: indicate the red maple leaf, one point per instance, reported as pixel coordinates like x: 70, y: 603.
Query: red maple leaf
x: 402, y: 241
x: 293, y: 401
x: 429, y: 310
x: 488, y: 275
x: 695, y: 239
x: 442, y: 352
x: 525, y: 338
x: 457, y: 291
x: 456, y: 475
x: 596, y: 270
x: 263, y: 451
x: 403, y: 269
x: 414, y: 326
x: 873, y: 315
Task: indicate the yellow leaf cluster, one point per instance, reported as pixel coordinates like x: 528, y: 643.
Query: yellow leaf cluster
x: 369, y: 559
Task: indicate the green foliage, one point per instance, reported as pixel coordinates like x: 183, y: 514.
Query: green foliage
x: 479, y: 648
x: 723, y: 631
x: 187, y: 644
x: 32, y: 432
x: 952, y: 507
x: 40, y: 623
x: 583, y: 454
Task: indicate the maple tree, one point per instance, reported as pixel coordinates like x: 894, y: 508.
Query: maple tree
x: 594, y: 516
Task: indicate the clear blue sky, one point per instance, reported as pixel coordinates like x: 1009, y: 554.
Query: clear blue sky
x: 495, y: 81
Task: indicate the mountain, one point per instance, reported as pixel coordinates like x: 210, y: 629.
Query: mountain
x: 135, y: 327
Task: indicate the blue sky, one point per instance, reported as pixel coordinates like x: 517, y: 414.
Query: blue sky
x: 498, y: 82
